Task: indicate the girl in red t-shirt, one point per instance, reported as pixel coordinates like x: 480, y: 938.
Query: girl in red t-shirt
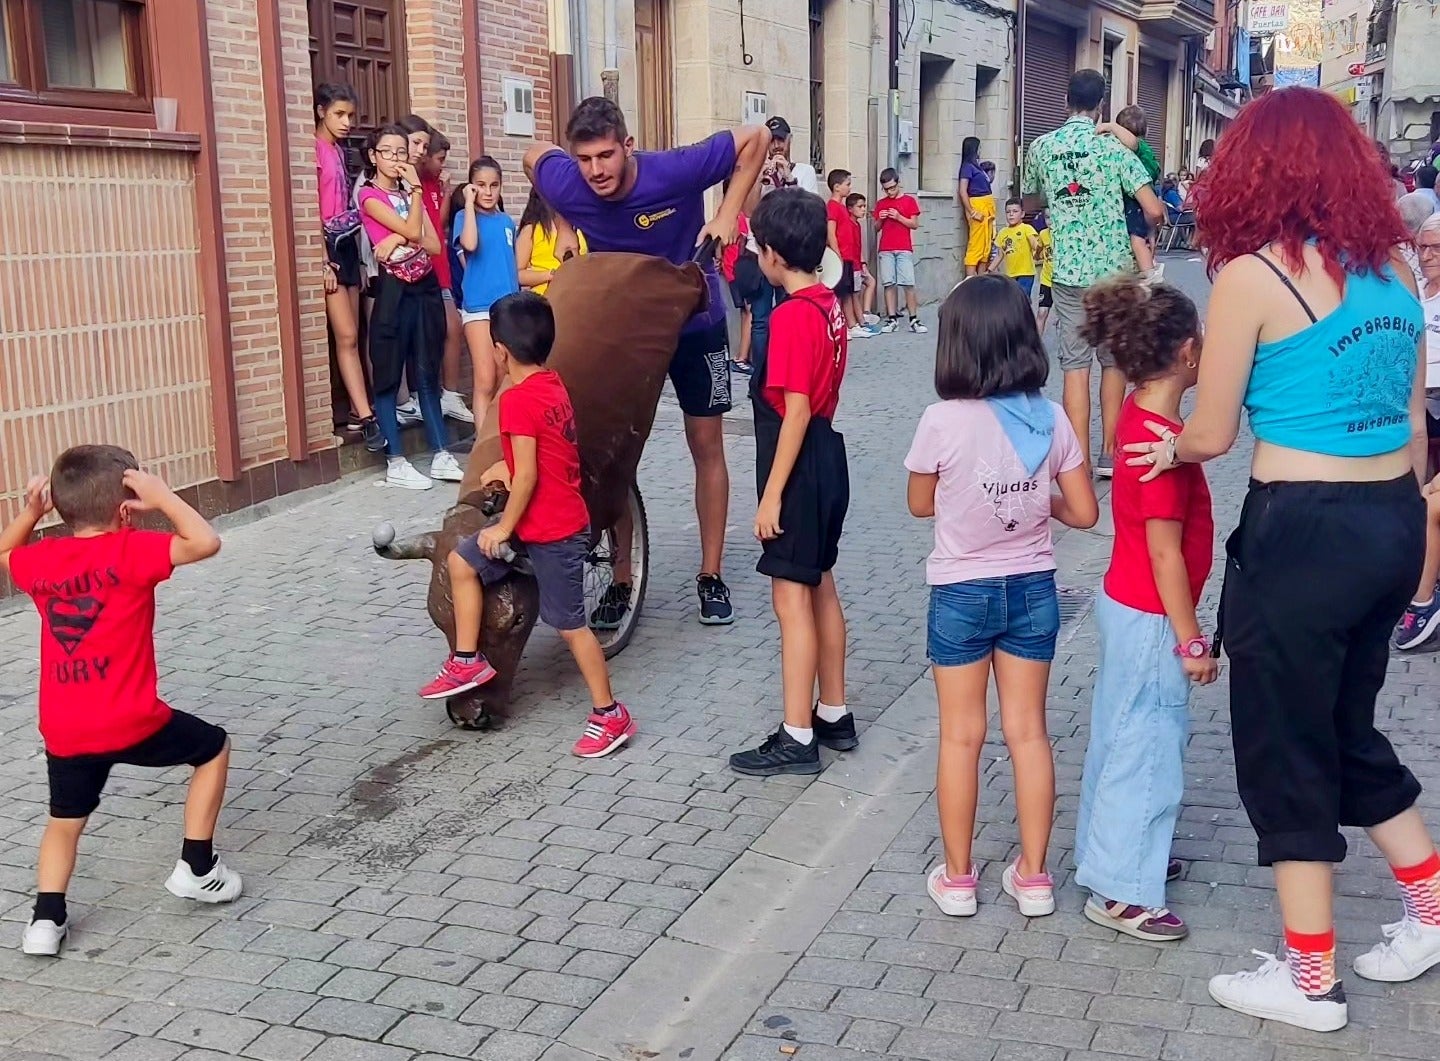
x: 1151, y: 646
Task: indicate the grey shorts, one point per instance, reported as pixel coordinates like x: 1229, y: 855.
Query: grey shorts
x: 1075, y: 355
x: 897, y: 268
x: 559, y: 570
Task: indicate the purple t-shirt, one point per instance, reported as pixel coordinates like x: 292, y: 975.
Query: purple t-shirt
x: 662, y: 214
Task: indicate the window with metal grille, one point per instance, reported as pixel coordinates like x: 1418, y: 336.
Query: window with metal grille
x: 817, y: 84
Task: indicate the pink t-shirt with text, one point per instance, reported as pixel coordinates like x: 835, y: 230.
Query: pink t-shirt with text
x: 991, y: 519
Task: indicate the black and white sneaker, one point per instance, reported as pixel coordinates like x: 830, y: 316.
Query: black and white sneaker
x: 220, y: 885
x: 779, y: 754
x: 715, y: 609
x: 610, y: 612
x: 838, y: 735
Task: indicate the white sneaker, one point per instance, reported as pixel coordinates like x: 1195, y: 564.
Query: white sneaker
x: 43, y: 938
x: 446, y: 468
x: 220, y: 885
x: 1035, y: 896
x: 1412, y: 949
x: 858, y: 332
x: 955, y: 898
x: 453, y: 406
x: 409, y: 413
x: 1270, y: 994
x: 400, y: 472
x: 917, y: 327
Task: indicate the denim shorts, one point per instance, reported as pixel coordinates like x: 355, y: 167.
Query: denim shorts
x: 1016, y: 614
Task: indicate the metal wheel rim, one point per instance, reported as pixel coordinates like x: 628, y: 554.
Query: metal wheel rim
x: 600, y: 575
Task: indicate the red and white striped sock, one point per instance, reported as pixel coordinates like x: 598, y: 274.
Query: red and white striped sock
x: 1311, y: 957
x: 1420, y: 890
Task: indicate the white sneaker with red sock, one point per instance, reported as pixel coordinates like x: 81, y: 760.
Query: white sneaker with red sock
x: 1300, y: 989
x: 1413, y: 945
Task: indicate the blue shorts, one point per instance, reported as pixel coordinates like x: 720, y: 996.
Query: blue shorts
x: 1017, y: 614
x: 1027, y: 284
x: 559, y: 570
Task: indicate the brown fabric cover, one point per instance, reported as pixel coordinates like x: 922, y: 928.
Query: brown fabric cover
x: 617, y: 320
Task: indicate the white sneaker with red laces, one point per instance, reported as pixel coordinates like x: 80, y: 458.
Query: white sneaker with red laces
x: 604, y: 733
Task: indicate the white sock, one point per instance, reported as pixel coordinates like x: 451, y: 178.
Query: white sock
x: 831, y: 714
x: 804, y: 736
x: 1423, y: 603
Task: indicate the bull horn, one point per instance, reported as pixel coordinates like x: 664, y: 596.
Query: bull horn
x: 420, y: 547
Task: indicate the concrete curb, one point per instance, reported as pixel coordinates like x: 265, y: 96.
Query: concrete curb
x: 692, y: 992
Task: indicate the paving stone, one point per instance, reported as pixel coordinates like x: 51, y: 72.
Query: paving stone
x: 422, y: 1032
x: 284, y: 1044
x: 560, y: 988
x: 549, y: 1019
x: 498, y: 1011
x: 212, y: 1031
x: 512, y: 1046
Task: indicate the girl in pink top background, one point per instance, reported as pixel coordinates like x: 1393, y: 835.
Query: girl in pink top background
x: 334, y: 118
x: 983, y: 464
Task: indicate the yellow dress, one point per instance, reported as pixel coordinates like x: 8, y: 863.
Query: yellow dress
x: 982, y: 233
x: 542, y: 252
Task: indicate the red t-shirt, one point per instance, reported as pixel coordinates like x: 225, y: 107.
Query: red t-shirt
x: 539, y: 406
x: 807, y: 351
x: 893, y: 235
x: 1181, y: 494
x: 96, y: 598
x: 432, y: 194
x: 847, y: 231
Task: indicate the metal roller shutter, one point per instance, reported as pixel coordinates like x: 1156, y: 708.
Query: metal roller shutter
x: 1049, y: 62
x: 1153, y: 92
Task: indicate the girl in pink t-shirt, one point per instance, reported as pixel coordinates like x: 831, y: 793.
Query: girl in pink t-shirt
x: 983, y: 464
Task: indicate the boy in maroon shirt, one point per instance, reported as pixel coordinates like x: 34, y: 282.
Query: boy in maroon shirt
x: 804, y: 485
x: 545, y: 511
x: 99, y: 706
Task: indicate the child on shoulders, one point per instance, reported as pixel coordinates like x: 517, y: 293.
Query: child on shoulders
x: 1129, y: 128
x: 99, y: 705
x: 983, y: 463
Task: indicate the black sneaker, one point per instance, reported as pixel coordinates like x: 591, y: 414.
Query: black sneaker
x: 838, y: 735
x: 370, y: 431
x: 610, y: 612
x: 779, y: 754
x: 715, y: 607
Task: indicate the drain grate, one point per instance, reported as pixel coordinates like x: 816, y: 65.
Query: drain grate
x: 1074, y: 604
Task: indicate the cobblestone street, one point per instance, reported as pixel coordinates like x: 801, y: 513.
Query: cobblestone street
x: 414, y: 891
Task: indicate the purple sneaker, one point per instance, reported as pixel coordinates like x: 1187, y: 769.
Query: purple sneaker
x: 1158, y: 925
x: 1417, y: 624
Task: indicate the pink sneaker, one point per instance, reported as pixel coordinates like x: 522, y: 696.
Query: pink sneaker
x: 605, y: 733
x: 456, y: 677
x: 1034, y: 895
x: 954, y: 896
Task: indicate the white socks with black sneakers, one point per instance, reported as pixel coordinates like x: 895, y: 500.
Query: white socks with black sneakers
x: 804, y: 736
x: 831, y: 714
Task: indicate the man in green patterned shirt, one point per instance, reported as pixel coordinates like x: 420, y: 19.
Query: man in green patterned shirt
x: 1082, y: 178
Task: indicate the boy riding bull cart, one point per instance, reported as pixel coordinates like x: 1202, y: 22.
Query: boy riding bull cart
x: 613, y: 365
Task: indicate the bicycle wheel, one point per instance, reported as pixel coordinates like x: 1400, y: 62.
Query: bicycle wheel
x: 612, y: 621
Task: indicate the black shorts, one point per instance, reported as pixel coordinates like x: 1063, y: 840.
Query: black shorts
x: 1317, y: 575
x: 1432, y: 426
x: 700, y: 371
x: 345, y: 256
x: 846, y: 286
x: 1047, y: 297
x: 813, y: 507
x: 559, y: 572
x: 76, y: 781
x: 1135, y: 222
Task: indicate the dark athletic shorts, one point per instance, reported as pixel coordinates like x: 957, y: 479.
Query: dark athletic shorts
x: 559, y: 570
x: 1135, y: 222
x: 700, y: 371
x: 846, y: 286
x: 345, y: 256
x: 76, y: 781
x: 1047, y: 296
x: 813, y: 507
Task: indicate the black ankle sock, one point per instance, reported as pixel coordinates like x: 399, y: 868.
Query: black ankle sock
x: 50, y: 906
x: 199, y: 855
x: 612, y: 709
x: 466, y: 657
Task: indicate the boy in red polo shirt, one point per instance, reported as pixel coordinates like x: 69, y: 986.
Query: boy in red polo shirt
x: 897, y: 216
x: 95, y: 591
x: 546, y: 512
x: 844, y: 239
x: 804, y: 485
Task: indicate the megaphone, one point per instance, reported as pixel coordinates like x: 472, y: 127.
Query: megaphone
x: 831, y: 269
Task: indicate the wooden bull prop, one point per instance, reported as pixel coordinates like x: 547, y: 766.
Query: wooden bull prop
x: 617, y: 320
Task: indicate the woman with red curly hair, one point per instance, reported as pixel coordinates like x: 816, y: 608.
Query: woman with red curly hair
x: 1314, y: 330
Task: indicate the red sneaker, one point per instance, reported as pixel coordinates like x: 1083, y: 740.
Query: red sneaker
x: 605, y: 733
x: 456, y: 677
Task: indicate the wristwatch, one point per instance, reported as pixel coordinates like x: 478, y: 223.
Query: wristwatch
x: 1195, y: 648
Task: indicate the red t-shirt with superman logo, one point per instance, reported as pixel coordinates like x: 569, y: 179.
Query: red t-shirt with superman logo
x: 96, y: 598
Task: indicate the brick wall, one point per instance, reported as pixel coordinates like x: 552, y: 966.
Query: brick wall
x: 514, y: 39
x: 434, y: 54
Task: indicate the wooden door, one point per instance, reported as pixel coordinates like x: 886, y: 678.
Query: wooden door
x: 362, y: 43
x: 652, y: 61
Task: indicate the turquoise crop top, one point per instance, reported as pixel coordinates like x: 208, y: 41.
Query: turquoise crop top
x: 1341, y: 387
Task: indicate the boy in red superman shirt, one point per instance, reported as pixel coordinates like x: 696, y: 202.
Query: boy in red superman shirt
x: 545, y: 513
x: 803, y: 481
x: 99, y: 706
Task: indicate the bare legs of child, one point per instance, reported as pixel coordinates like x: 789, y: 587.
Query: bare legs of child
x: 484, y: 365
x: 450, y: 400
x: 962, y: 696
x: 342, y: 307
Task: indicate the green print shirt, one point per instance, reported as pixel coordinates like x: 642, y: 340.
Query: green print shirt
x: 1084, y: 177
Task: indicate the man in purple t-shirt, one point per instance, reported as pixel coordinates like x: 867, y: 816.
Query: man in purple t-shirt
x: 652, y: 202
